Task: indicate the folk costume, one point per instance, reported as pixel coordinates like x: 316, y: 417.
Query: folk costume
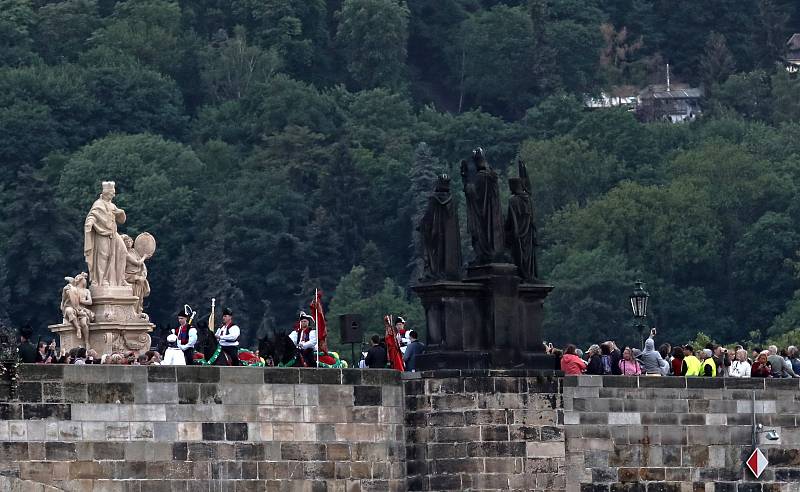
x: 173, y: 355
x: 228, y: 335
x: 393, y: 346
x: 187, y: 334
x: 305, y: 338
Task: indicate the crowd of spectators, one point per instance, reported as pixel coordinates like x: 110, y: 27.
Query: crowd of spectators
x: 710, y: 361
x: 46, y: 352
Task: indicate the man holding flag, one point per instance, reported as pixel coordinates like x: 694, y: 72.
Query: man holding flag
x: 319, y: 321
x: 304, y: 337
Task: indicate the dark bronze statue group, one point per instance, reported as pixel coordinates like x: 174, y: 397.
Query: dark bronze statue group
x: 489, y: 314
x: 492, y: 238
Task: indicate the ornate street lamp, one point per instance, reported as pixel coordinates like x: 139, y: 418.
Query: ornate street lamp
x: 639, y: 306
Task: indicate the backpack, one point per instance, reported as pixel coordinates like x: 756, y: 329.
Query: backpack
x: 606, y: 361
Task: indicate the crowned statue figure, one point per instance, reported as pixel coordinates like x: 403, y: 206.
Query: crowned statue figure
x: 103, y: 247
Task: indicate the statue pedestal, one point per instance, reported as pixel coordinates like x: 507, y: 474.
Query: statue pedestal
x: 116, y: 326
x: 490, y: 320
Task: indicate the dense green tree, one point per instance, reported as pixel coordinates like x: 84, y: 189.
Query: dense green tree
x: 231, y: 66
x: 296, y: 29
x: 17, y: 19
x: 592, y: 291
x: 372, y: 35
x: 149, y: 30
x: 39, y: 248
x: 493, y: 53
x: 389, y: 299
x: 717, y: 63
x: 785, y: 97
x: 566, y: 171
x: 63, y: 29
x: 762, y: 278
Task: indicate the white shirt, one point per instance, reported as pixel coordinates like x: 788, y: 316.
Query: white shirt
x: 312, y: 339
x: 173, y: 357
x: 231, y: 339
x: 739, y: 369
x: 192, y: 338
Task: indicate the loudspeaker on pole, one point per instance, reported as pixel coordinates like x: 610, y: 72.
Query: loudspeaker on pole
x: 350, y: 328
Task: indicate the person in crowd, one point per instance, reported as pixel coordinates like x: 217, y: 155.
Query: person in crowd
x: 722, y: 360
x: 228, y: 336
x: 775, y: 362
x: 116, y: 359
x: 413, y: 349
x: 629, y: 366
x: 80, y: 356
x: 187, y: 334
x: 376, y: 356
x: 691, y: 364
x: 616, y: 356
x: 740, y: 367
x: 761, y: 367
x: 666, y: 352
x: 652, y: 362
x: 153, y: 358
x: 557, y: 355
x: 676, y: 363
x: 606, y: 359
x: 708, y: 366
x: 92, y: 357
x: 788, y: 370
x: 142, y: 360
x: 794, y: 359
x: 571, y: 363
x: 595, y: 361
x: 305, y: 338
x: 173, y: 355
x: 27, y: 351
x: 754, y: 355
x: 400, y: 329
x: 42, y: 357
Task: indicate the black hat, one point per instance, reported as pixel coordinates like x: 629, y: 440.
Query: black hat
x: 305, y: 316
x: 186, y: 311
x: 227, y: 311
x: 399, y: 319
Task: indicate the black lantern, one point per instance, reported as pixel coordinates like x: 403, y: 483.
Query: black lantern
x: 639, y: 300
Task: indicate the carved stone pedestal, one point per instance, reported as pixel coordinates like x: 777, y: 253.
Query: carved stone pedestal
x: 490, y: 320
x: 116, y: 326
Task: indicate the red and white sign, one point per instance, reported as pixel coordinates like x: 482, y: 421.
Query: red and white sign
x: 757, y: 462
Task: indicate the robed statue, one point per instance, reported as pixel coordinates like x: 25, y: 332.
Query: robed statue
x: 136, y: 273
x: 484, y: 216
x: 520, y: 227
x: 103, y: 247
x: 441, y: 240
x: 75, y: 299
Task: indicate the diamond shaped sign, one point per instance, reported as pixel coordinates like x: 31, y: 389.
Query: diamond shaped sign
x: 757, y: 462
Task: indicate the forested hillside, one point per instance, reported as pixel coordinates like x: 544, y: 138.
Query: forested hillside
x: 277, y: 146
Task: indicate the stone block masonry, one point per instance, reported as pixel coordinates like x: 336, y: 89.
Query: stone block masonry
x: 643, y: 434
x: 130, y: 428
x: 155, y: 428
x: 485, y: 430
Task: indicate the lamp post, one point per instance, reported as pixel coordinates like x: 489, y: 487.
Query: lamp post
x: 639, y: 306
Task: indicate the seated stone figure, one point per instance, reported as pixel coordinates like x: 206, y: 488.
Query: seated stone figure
x: 75, y: 296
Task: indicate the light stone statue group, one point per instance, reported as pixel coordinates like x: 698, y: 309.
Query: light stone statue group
x: 117, y: 274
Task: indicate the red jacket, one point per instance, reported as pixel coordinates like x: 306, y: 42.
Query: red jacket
x: 572, y: 364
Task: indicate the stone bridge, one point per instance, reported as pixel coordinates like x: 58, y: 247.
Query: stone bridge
x: 137, y: 428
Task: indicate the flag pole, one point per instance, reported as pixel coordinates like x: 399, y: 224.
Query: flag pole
x: 316, y: 321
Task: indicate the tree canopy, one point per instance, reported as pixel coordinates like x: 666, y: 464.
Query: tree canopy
x: 274, y: 147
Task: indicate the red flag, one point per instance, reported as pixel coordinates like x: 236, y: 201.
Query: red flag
x: 319, y: 318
